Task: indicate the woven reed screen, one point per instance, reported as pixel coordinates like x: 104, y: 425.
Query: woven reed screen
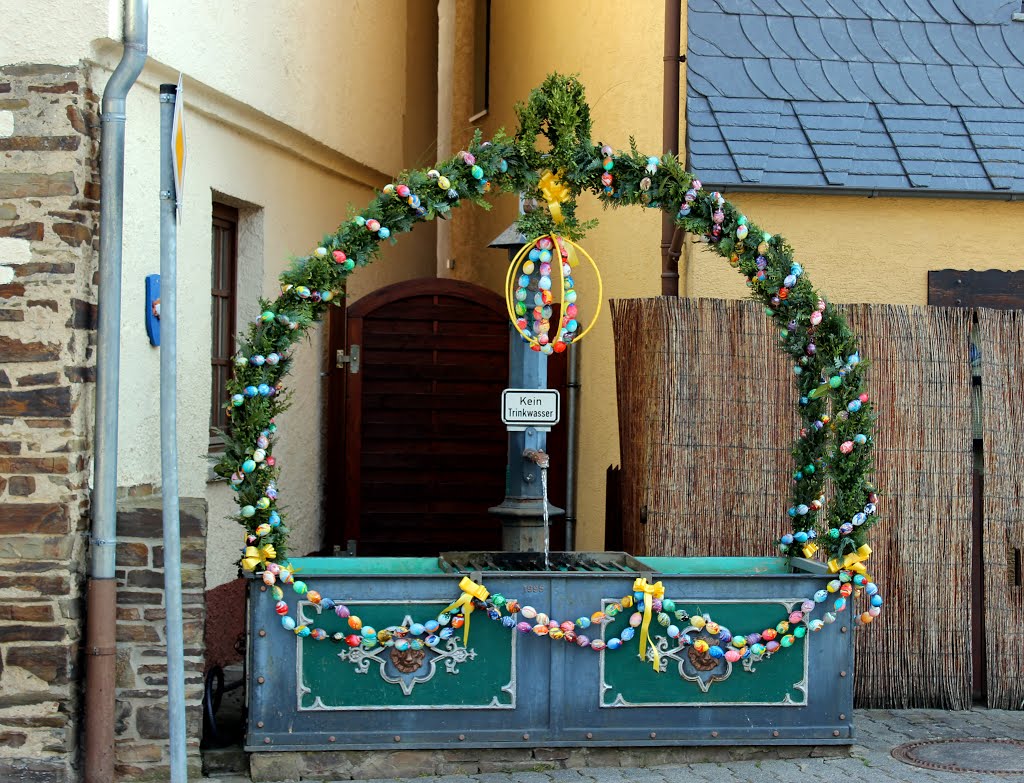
x: 920, y: 379
x: 705, y: 423
x: 706, y: 419
x: 1000, y: 339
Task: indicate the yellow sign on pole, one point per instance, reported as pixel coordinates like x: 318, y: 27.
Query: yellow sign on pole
x: 178, y: 144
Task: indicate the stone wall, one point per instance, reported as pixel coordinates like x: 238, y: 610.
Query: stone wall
x: 49, y: 214
x: 141, y: 719
x: 49, y: 208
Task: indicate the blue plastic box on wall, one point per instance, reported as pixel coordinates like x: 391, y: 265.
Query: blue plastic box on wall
x: 153, y: 309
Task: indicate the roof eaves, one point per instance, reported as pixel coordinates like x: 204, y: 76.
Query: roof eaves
x: 1013, y: 194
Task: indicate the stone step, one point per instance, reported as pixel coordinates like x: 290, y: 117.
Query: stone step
x: 231, y: 760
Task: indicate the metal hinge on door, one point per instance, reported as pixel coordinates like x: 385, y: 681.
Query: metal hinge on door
x: 351, y: 359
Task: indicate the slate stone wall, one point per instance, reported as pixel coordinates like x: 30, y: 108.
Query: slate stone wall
x: 49, y: 220
x: 49, y: 213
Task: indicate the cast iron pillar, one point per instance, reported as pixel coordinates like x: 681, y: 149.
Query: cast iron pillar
x: 522, y: 512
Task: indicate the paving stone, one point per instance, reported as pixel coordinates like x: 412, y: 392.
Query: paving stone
x: 752, y: 770
x: 683, y: 773
x: 568, y: 776
x: 878, y: 732
x: 453, y: 779
x: 716, y: 771
x: 608, y: 774
x: 632, y: 775
x: 530, y: 777
x: 492, y: 777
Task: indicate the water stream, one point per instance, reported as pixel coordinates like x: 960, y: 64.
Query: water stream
x: 547, y: 523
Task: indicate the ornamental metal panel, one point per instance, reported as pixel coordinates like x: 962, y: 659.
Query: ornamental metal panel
x: 508, y: 689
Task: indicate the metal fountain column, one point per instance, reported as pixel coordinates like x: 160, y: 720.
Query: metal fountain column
x: 522, y: 512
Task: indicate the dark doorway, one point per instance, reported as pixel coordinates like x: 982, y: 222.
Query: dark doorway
x: 421, y: 448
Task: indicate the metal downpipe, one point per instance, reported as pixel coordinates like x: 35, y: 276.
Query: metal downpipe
x: 670, y: 138
x: 101, y: 593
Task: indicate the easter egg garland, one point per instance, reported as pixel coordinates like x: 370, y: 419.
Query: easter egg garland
x: 835, y: 441
x: 651, y: 610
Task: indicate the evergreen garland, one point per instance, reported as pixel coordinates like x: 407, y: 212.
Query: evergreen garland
x: 836, y: 439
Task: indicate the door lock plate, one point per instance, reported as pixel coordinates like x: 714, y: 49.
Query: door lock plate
x: 351, y: 359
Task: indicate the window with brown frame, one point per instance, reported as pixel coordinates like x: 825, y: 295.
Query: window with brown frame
x: 222, y: 318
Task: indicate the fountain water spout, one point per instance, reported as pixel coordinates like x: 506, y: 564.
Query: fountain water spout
x: 539, y: 457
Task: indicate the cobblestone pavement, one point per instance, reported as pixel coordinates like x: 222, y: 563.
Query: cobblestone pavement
x: 878, y: 732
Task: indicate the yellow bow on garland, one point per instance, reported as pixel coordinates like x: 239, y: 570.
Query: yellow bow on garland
x: 650, y: 591
x: 853, y: 561
x: 555, y: 193
x: 470, y: 590
x: 258, y: 557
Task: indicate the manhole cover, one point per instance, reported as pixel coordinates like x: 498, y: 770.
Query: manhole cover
x: 992, y: 756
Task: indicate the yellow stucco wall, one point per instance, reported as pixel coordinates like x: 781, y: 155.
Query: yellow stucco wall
x: 66, y: 36
x: 302, y: 113
x: 296, y: 201
x: 297, y: 134
x: 615, y: 48
x: 328, y: 68
x: 855, y: 249
x: 878, y: 250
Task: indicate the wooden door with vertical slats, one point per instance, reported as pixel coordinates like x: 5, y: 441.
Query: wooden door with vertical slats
x: 425, y: 448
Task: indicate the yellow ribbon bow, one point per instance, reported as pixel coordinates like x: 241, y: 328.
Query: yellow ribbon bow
x: 650, y: 591
x: 853, y: 561
x: 258, y: 557
x: 554, y: 193
x: 470, y: 590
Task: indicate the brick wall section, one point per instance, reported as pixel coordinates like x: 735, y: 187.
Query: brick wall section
x: 49, y: 208
x: 141, y: 720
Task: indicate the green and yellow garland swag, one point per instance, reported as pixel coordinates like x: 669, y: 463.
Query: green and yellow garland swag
x: 835, y: 441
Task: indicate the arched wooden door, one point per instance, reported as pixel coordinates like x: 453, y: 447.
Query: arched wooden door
x: 424, y: 448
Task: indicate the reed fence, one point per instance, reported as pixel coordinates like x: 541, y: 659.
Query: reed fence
x: 920, y: 654
x: 706, y: 421
x: 1000, y: 345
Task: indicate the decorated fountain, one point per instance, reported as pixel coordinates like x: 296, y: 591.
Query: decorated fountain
x: 510, y: 649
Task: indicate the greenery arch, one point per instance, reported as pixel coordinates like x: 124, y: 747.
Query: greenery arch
x: 835, y: 441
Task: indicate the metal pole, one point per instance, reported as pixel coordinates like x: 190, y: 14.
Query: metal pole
x: 169, y: 439
x: 101, y: 595
x: 572, y: 425
x: 522, y: 510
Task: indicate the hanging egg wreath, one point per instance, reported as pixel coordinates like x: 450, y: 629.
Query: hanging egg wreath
x: 530, y: 295
x: 835, y: 441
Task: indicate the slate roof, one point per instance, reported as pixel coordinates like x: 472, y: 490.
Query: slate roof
x: 873, y: 95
